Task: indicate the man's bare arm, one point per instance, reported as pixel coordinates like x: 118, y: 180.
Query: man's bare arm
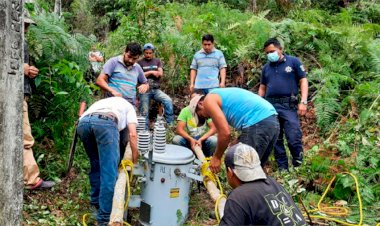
x: 262, y: 90
x: 102, y: 82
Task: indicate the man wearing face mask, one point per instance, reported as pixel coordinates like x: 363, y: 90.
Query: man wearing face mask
x: 121, y: 74
x: 282, y: 78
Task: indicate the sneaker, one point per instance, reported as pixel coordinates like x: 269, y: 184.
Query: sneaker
x: 46, y: 184
x: 41, y: 184
x: 94, y: 211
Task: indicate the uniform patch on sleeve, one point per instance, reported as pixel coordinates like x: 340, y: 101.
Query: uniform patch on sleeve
x: 302, y: 68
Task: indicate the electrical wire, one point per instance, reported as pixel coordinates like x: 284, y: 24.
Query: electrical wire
x: 338, y: 211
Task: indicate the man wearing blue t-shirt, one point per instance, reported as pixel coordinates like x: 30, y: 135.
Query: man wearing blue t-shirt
x: 243, y: 110
x: 281, y: 79
x: 208, y: 63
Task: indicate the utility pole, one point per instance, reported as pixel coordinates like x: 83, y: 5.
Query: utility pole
x: 11, y: 122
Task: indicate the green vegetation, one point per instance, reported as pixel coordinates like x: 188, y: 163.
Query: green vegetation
x: 340, y: 48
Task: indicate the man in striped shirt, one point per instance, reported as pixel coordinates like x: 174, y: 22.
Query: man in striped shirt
x: 121, y: 74
x: 208, y: 63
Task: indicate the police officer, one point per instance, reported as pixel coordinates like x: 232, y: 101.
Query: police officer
x: 282, y: 78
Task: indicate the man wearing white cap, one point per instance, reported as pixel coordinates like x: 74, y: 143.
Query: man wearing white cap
x: 245, y: 111
x: 256, y: 198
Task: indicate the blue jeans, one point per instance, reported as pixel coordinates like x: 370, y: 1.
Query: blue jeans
x: 100, y: 138
x: 290, y: 127
x: 208, y: 146
x: 261, y: 136
x: 157, y: 95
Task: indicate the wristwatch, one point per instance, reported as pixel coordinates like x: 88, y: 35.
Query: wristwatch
x: 304, y: 102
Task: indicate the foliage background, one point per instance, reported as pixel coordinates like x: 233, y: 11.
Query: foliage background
x: 340, y: 47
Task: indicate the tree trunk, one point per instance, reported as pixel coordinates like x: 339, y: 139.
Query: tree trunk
x: 11, y: 99
x: 58, y: 7
x: 254, y: 6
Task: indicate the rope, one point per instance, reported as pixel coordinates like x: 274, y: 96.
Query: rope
x: 84, y: 219
x: 216, y: 206
x: 208, y: 175
x: 123, y: 165
x: 338, y: 211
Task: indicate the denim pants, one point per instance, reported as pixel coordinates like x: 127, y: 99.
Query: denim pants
x: 261, y: 136
x: 290, y: 127
x: 208, y: 146
x: 100, y: 138
x: 157, y: 95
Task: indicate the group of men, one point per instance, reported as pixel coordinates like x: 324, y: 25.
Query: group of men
x: 109, y: 124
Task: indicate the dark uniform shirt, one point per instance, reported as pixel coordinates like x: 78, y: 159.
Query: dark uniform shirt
x: 261, y: 202
x: 151, y: 65
x: 282, y: 78
x: 27, y: 81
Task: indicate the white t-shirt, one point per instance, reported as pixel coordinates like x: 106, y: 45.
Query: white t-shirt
x: 121, y: 108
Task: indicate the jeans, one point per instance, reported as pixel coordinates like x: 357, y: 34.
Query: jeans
x: 290, y: 127
x: 100, y: 138
x: 261, y: 136
x: 157, y: 95
x: 204, y: 91
x: 208, y: 146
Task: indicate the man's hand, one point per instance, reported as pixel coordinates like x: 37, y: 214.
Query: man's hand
x: 222, y: 85
x: 33, y: 72
x: 135, y: 157
x: 143, y: 88
x: 191, y: 88
x: 193, y: 143
x: 215, y: 164
x: 116, y: 93
x: 199, y: 142
x: 30, y: 71
x: 302, y: 108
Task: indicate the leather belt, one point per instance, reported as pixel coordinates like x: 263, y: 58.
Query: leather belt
x: 106, y: 116
x: 280, y: 100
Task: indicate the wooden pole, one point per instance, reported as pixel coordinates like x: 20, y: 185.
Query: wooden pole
x: 11, y: 122
x: 211, y: 187
x: 118, y: 201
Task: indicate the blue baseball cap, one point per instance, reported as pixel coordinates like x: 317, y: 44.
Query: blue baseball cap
x: 149, y: 46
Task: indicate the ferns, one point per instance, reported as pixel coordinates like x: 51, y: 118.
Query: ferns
x: 50, y: 41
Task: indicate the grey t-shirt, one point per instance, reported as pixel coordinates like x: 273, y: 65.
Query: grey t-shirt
x: 261, y: 202
x: 151, y: 65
